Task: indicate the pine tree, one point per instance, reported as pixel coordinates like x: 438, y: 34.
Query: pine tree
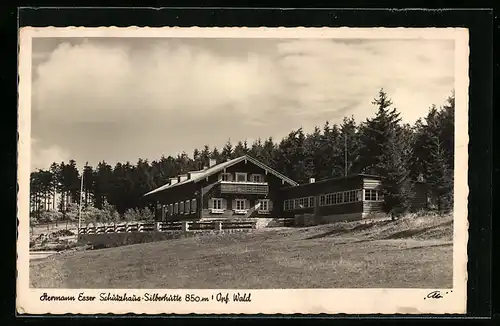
x: 397, y: 186
x: 198, y: 162
x: 332, y: 154
x: 386, y: 151
x: 216, y: 155
x: 55, y: 184
x: 103, y: 183
x: 239, y: 149
x: 440, y: 176
x: 227, y: 151
x: 256, y: 149
x: 349, y: 135
x: 205, y: 155
x: 375, y: 134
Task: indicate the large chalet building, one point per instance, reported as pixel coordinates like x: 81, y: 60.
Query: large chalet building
x: 246, y: 188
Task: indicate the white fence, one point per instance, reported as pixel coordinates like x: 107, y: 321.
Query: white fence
x: 168, y: 226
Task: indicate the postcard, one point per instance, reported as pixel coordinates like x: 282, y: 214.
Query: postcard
x: 242, y: 170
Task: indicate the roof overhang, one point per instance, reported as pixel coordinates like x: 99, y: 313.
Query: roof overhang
x: 198, y: 176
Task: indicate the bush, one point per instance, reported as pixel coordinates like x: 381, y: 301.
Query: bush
x: 135, y: 214
x: 50, y: 216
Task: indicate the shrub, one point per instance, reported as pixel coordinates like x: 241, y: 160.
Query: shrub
x: 50, y: 216
x: 134, y: 214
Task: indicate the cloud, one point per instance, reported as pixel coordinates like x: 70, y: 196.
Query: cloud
x: 120, y: 100
x: 415, y: 73
x: 96, y: 82
x: 43, y: 157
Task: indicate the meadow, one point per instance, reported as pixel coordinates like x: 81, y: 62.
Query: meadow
x: 413, y: 252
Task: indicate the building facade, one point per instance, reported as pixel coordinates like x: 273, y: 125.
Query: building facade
x: 245, y: 188
x: 242, y: 187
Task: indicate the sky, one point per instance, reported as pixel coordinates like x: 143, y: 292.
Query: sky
x: 121, y: 99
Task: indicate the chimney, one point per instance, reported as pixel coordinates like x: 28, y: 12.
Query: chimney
x: 173, y: 181
x: 312, y: 180
x: 212, y: 162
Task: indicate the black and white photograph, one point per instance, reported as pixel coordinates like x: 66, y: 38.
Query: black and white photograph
x: 206, y: 170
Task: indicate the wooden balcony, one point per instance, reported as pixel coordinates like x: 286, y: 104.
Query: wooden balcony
x: 250, y: 188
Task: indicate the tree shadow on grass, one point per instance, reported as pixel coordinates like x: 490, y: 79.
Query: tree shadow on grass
x: 413, y: 232
x: 344, y: 230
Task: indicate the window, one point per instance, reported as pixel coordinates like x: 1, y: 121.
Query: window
x: 240, y: 203
x: 301, y: 203
x: 296, y: 204
x: 170, y: 209
x: 256, y: 178
x: 181, y: 207
x: 241, y: 177
x: 193, y: 205
x: 287, y: 205
x: 176, y: 208
x: 264, y: 205
x: 322, y: 200
x: 226, y: 176
x: 329, y: 199
x: 216, y: 203
x: 352, y: 196
x: 311, y: 201
x: 373, y: 195
x: 187, y: 207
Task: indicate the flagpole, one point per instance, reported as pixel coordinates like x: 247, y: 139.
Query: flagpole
x: 345, y: 154
x: 80, y: 205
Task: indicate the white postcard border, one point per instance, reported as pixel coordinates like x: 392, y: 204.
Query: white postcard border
x: 268, y: 301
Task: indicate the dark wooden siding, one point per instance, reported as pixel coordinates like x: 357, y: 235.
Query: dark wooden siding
x: 319, y: 188
x: 373, y: 206
x: 275, y: 185
x: 176, y: 195
x: 371, y: 183
x: 346, y: 208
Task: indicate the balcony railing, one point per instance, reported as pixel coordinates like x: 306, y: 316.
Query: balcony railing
x: 258, y: 188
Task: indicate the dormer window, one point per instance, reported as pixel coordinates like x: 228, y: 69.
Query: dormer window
x: 241, y: 177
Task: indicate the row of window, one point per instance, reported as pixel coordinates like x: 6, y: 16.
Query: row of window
x: 242, y: 177
x: 335, y: 198
x: 342, y: 197
x: 298, y: 203
x: 241, y: 204
x: 183, y: 207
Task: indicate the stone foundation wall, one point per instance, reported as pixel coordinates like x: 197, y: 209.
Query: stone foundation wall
x: 311, y: 220
x: 108, y: 240
x: 262, y: 222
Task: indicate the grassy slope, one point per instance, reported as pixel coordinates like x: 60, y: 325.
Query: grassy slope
x: 407, y: 253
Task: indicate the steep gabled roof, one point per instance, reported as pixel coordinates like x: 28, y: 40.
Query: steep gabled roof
x: 202, y: 174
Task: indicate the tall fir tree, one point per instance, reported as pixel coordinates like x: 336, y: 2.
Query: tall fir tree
x: 375, y: 134
x: 227, y: 151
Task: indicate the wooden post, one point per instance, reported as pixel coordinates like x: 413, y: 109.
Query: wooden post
x: 185, y: 226
x: 218, y: 225
x: 199, y: 206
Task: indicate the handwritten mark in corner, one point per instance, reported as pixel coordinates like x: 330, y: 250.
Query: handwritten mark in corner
x: 437, y: 294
